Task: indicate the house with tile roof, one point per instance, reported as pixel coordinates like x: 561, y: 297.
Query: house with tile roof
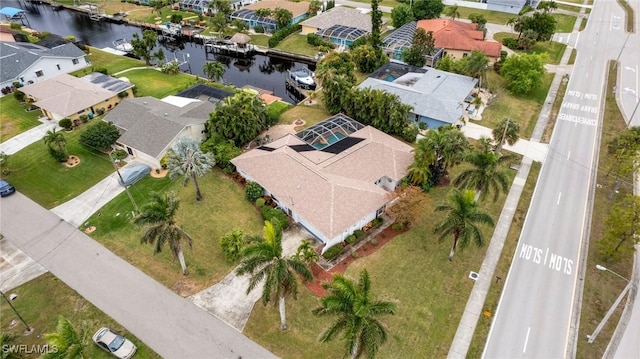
x: 66, y: 96
x: 437, y: 98
x: 332, y: 178
x: 459, y: 39
x: 29, y: 63
x: 247, y: 14
x: 149, y: 127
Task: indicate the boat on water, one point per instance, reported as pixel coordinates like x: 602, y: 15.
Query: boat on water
x: 303, y: 78
x: 123, y: 45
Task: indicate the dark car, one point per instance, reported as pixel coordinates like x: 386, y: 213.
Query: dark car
x: 6, y: 188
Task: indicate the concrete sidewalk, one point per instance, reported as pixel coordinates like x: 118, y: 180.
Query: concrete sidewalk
x: 16, y: 268
x: 228, y: 299
x: 530, y: 149
x: 24, y: 139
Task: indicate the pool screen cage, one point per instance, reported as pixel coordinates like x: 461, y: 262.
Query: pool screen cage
x: 251, y: 17
x: 336, y: 124
x: 401, y: 38
x: 341, y: 33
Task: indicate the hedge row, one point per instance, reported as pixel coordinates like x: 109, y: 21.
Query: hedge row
x: 283, y: 33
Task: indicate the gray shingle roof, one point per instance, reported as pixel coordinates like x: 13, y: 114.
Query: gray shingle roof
x: 340, y: 16
x: 16, y: 57
x: 435, y: 94
x: 150, y: 125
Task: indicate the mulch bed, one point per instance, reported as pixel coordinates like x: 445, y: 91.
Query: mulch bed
x: 320, y: 275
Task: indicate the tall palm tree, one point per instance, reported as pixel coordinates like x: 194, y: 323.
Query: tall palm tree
x: 449, y: 144
x: 69, y: 343
x: 476, y: 66
x: 420, y: 170
x: 159, y: 218
x: 7, y: 343
x: 453, y: 12
x: 264, y: 261
x: 187, y: 160
x: 462, y: 217
x: 487, y: 174
x: 213, y: 70
x: 507, y: 131
x: 356, y: 313
x: 55, y: 139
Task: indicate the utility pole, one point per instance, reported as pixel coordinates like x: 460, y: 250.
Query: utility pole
x: 28, y: 328
x: 126, y: 188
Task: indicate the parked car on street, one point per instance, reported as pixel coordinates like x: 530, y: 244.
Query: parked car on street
x: 116, y: 344
x: 6, y: 188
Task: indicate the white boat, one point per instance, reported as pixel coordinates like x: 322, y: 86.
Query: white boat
x: 303, y: 78
x: 122, y: 45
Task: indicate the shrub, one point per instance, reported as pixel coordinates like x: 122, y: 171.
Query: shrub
x: 283, y: 33
x: 275, y: 216
x: 333, y: 252
x: 355, y: 255
x: 397, y: 226
x: 232, y: 244
x: 377, y: 221
x: 510, y: 43
x: 351, y: 239
x: 84, y: 118
x: 123, y: 94
x: 164, y: 161
x: 176, y: 18
x: 15, y: 26
x: 100, y: 111
x: 410, y: 133
x: 103, y: 71
x: 374, y: 242
x: 358, y: 233
x: 253, y: 191
x: 60, y: 156
x: 66, y: 124
x: 19, y: 96
x: 100, y: 135
x: 119, y: 154
x: 260, y: 202
x: 258, y: 29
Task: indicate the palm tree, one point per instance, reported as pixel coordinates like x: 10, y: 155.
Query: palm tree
x: 476, y: 66
x: 449, y: 144
x: 420, y: 170
x: 159, y: 218
x: 56, y: 139
x: 68, y: 342
x: 264, y: 261
x: 463, y: 215
x: 357, y: 314
x: 453, y: 12
x: 213, y: 70
x: 486, y: 175
x: 512, y: 22
x: 7, y: 344
x: 507, y: 130
x: 187, y: 160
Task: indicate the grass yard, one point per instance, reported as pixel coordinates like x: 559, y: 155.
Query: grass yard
x: 278, y: 108
x: 554, y: 50
x: 602, y: 288
x: 223, y: 209
x: 150, y: 82
x: 494, y: 17
x: 572, y: 57
x: 525, y: 109
x: 14, y: 119
x: 311, y: 114
x: 43, y: 299
x: 36, y: 174
x: 298, y: 44
x: 413, y: 271
x: 260, y: 40
x: 104, y: 60
x: 390, y: 3
x: 564, y: 23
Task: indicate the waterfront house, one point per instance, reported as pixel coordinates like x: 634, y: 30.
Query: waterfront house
x: 30, y: 63
x: 332, y: 178
x: 402, y: 38
x: 149, y: 127
x: 299, y: 10
x: 206, y: 6
x: 438, y: 98
x: 66, y: 96
x: 340, y: 25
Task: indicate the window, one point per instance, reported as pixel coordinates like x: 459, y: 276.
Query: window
x: 75, y: 61
x: 58, y: 66
x: 39, y: 73
x: 465, y: 54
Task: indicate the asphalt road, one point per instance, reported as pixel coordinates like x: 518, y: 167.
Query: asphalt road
x: 533, y: 319
x: 171, y: 325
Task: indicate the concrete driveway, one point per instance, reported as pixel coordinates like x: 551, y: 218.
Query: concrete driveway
x: 16, y: 268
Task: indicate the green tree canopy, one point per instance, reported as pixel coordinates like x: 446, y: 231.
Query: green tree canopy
x: 100, y: 135
x: 69, y: 343
x: 523, y: 72
x: 186, y: 160
x: 142, y: 46
x: 239, y: 118
x: 427, y: 9
x: 282, y: 16
x: 337, y: 63
x: 422, y: 46
x: 57, y: 143
x: 336, y: 91
x: 621, y: 228
x: 401, y: 15
x: 376, y: 23
x: 213, y: 70
x: 367, y: 58
x: 507, y: 131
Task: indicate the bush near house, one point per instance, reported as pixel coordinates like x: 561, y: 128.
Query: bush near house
x: 333, y: 252
x: 66, y: 124
x: 253, y: 191
x: 283, y: 33
x: 275, y: 216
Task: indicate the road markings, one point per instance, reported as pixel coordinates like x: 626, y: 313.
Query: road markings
x: 559, y: 196
x: 526, y: 340
x: 568, y: 155
x: 551, y: 260
x: 587, y: 75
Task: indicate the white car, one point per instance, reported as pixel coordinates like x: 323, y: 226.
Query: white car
x: 117, y: 345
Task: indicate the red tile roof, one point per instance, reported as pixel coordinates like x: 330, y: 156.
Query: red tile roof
x: 458, y: 35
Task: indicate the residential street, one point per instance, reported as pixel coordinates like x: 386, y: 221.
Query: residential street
x: 168, y: 323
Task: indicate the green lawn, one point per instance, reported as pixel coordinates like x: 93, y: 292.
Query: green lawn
x: 150, y: 82
x: 564, y: 23
x: 277, y: 108
x: 523, y: 108
x: 391, y: 3
x: 43, y: 299
x: 104, y: 60
x: 555, y: 50
x: 310, y: 114
x: 297, y: 43
x: 14, y: 119
x: 224, y: 208
x: 260, y: 40
x: 494, y: 17
x: 413, y: 271
x: 36, y: 174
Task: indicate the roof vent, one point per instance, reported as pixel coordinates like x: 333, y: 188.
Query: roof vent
x: 166, y: 114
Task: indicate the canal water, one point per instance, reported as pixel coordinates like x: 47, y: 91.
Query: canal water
x: 259, y: 71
